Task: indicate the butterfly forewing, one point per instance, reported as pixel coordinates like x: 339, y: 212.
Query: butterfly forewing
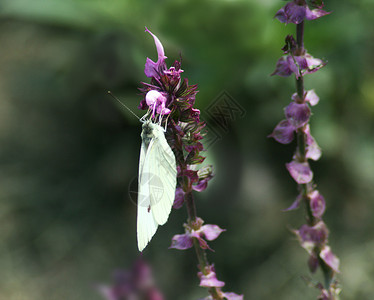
x: 157, y: 182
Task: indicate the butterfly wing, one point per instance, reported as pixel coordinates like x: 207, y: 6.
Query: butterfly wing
x: 163, y: 166
x: 146, y: 223
x: 157, y: 182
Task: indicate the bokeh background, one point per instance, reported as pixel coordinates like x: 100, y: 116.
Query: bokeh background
x: 69, y: 153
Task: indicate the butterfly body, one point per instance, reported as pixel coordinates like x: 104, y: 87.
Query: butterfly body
x: 156, y: 182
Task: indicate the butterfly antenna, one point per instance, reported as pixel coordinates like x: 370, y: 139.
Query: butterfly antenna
x: 123, y: 104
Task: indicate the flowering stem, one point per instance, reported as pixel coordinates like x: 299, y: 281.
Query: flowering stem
x: 301, y: 145
x: 200, y: 253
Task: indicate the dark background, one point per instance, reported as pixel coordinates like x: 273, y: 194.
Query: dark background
x: 68, y: 152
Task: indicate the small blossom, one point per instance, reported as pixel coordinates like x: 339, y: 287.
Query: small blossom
x: 210, y: 279
x: 306, y: 64
x: 317, y: 204
x: 153, y: 69
x: 205, y: 174
x: 314, y: 13
x: 295, y: 13
x: 312, y: 97
x: 312, y: 236
x: 185, y: 241
x: 300, y: 171
x: 182, y: 241
x: 211, y: 232
x: 233, y: 296
x: 297, y: 114
x: 329, y: 258
x: 291, y: 13
x: 313, y: 151
x: 156, y: 102
x: 179, y: 198
x: 283, y: 133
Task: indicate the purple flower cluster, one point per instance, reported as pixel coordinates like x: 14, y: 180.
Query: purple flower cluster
x: 136, y: 283
x: 167, y: 94
x: 313, y: 236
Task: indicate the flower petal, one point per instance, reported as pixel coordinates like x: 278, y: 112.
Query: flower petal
x: 329, y: 258
x: 297, y: 114
x: 313, y: 151
x: 317, y: 204
x: 300, y: 171
x: 283, y: 133
x: 152, y: 68
x: 211, y: 232
x: 282, y: 67
x: 295, y: 204
x: 181, y: 241
x: 315, y: 13
x: 295, y: 13
x: 179, y: 198
x: 233, y: 296
x: 210, y: 280
x: 312, y: 97
x: 291, y: 13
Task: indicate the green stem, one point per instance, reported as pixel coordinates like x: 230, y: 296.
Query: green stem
x: 200, y: 253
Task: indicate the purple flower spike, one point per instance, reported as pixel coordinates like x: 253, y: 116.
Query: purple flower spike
x: 210, y: 280
x: 317, y: 204
x: 181, y: 241
x: 300, y: 171
x: 297, y: 114
x: 283, y: 133
x: 329, y: 258
x: 211, y: 232
x: 153, y: 69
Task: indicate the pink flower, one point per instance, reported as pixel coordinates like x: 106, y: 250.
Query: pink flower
x: 156, y: 101
x: 154, y: 69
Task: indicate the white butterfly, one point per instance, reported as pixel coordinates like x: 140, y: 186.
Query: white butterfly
x: 157, y: 182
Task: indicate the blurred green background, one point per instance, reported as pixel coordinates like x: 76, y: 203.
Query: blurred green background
x: 69, y: 153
